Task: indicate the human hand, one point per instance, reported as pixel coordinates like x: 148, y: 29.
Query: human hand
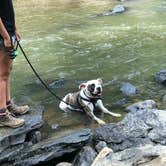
x: 18, y: 35
x: 8, y: 44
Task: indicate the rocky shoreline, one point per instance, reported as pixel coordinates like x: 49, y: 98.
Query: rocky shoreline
x: 139, y: 139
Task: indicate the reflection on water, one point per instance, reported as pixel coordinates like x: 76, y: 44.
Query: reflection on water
x: 64, y: 40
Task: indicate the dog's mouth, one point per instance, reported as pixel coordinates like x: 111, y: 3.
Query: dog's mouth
x: 96, y: 94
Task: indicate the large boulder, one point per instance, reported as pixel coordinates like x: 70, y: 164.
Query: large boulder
x: 33, y: 121
x: 147, y: 155
x: 47, y: 150
x: 138, y: 128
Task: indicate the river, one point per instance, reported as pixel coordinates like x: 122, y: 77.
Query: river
x: 64, y: 40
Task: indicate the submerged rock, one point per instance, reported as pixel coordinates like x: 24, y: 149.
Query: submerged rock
x: 58, y: 83
x: 115, y: 10
x: 161, y: 77
x: 33, y: 120
x: 128, y: 89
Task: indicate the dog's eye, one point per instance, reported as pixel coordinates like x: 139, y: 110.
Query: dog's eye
x: 91, y: 87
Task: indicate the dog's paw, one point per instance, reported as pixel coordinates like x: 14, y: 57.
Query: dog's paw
x: 101, y: 122
x: 117, y: 115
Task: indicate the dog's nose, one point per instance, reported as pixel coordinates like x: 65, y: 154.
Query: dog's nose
x: 99, y: 89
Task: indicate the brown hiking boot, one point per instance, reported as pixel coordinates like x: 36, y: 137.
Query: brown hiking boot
x: 17, y: 110
x: 10, y: 121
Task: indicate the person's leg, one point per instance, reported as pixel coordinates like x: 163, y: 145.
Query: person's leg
x: 5, y: 63
x: 6, y: 119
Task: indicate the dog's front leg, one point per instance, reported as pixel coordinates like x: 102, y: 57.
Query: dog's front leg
x: 89, y: 110
x: 100, y: 105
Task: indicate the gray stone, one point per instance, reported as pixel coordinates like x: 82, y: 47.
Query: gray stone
x: 85, y: 157
x: 138, y: 128
x: 58, y: 83
x: 64, y: 164
x: 33, y: 120
x: 147, y: 104
x: 147, y: 155
x: 116, y: 10
x: 161, y: 77
x: 128, y: 89
x: 100, y: 146
x: 47, y: 150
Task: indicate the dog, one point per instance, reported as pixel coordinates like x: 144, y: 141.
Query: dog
x: 87, y: 99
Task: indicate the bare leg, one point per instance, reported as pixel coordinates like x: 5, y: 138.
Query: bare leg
x: 5, y: 67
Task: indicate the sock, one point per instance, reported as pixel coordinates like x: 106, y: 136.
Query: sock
x: 2, y: 111
x: 8, y: 102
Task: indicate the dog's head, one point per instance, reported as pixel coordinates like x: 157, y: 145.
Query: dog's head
x: 92, y: 88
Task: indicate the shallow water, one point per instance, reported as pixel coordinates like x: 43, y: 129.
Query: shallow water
x: 64, y: 39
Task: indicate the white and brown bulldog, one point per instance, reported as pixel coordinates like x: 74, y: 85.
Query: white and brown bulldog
x: 87, y: 99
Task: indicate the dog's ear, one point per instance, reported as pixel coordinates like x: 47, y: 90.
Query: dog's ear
x: 100, y: 80
x: 83, y: 85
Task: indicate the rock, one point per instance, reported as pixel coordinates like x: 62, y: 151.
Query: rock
x: 64, y: 164
x: 85, y: 157
x: 121, y: 102
x: 54, y: 126
x: 161, y: 77
x: 164, y: 99
x: 147, y: 104
x: 49, y: 149
x: 138, y: 128
x: 34, y: 137
x: 100, y: 146
x: 58, y: 83
x: 33, y: 120
x: 128, y: 89
x: 147, y: 155
x: 115, y: 10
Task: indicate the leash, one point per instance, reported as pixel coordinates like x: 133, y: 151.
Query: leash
x: 41, y: 80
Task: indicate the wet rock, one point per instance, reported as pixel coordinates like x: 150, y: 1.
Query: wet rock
x: 85, y: 157
x: 64, y: 164
x: 138, y: 128
x: 121, y: 102
x: 147, y: 155
x: 115, y: 10
x: 54, y: 126
x: 58, y: 83
x: 50, y: 149
x: 33, y: 120
x: 100, y: 146
x: 128, y: 89
x: 147, y: 104
x: 34, y: 137
x: 161, y: 77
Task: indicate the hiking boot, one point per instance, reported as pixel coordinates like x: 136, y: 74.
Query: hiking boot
x: 10, y: 121
x: 17, y: 110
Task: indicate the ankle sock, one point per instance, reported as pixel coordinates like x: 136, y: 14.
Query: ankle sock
x: 2, y: 111
x: 8, y: 102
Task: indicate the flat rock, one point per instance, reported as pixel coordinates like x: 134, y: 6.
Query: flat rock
x: 49, y: 149
x: 33, y: 120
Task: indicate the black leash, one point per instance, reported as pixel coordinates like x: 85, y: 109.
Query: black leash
x: 41, y: 80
